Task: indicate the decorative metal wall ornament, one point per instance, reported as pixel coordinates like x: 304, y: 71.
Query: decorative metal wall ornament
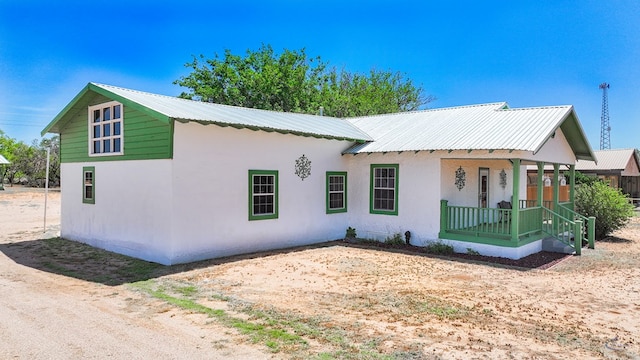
x: 503, y: 178
x: 303, y: 167
x: 461, y: 178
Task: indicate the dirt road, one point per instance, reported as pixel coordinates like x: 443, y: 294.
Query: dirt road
x: 59, y: 300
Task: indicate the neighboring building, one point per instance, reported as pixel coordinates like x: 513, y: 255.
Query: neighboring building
x: 172, y: 180
x: 618, y: 167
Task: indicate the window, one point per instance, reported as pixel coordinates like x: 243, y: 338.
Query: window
x: 384, y: 189
x: 336, y: 192
x: 105, y: 129
x: 88, y: 185
x: 263, y: 194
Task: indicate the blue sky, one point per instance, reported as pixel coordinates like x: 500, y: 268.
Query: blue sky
x: 529, y: 53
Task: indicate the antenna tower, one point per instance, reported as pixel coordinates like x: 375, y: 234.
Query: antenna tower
x: 605, y: 129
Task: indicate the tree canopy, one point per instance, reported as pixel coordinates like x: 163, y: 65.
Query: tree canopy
x: 292, y: 81
x: 28, y: 162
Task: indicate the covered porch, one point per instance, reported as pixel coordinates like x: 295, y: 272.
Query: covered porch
x: 520, y: 222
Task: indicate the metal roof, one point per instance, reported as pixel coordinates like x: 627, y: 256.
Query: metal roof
x: 616, y: 159
x: 184, y: 110
x: 3, y: 160
x: 476, y: 127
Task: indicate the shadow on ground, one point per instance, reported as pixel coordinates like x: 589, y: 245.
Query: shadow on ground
x: 81, y: 261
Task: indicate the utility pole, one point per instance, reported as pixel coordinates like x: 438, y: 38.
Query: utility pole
x: 605, y: 128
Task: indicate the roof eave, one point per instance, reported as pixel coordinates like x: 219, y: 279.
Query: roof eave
x: 281, y: 131
x: 53, y: 125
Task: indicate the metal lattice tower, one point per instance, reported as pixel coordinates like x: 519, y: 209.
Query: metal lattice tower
x: 605, y: 129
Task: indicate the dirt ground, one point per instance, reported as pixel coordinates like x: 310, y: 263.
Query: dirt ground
x: 61, y: 299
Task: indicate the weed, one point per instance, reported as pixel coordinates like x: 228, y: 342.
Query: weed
x: 351, y: 233
x: 471, y: 251
x: 439, y: 248
x: 396, y: 239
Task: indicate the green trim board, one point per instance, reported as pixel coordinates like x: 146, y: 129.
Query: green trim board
x: 263, y: 186
x: 380, y: 206
x: 329, y: 191
x: 89, y: 185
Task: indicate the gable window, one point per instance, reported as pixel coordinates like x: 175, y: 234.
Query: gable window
x: 336, y: 192
x: 384, y: 189
x: 263, y: 194
x: 106, y: 129
x: 88, y: 185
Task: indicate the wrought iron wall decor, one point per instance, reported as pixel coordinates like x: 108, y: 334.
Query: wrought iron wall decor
x: 303, y: 167
x: 461, y: 178
x: 503, y: 178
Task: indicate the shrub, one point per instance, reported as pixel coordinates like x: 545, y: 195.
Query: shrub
x: 610, y: 207
x: 351, y: 233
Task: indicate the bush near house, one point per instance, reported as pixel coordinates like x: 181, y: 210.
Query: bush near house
x: 609, y: 205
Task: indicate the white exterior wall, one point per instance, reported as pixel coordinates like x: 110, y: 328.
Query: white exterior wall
x: 468, y: 196
x: 555, y: 150
x: 211, y: 192
x: 418, y: 197
x: 130, y: 215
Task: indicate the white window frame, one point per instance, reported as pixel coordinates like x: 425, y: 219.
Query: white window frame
x: 103, y: 125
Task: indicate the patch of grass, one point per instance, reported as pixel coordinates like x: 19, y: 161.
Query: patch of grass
x: 274, y: 337
x: 81, y: 261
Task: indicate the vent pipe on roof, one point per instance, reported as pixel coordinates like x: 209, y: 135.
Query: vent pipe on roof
x: 321, y: 110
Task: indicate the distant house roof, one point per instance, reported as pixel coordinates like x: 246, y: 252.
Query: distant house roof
x: 477, y: 127
x: 182, y: 110
x: 3, y: 160
x: 608, y: 160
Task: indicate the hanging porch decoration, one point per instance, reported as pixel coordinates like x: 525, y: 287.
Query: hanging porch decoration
x: 461, y: 178
x: 503, y: 178
x: 303, y: 167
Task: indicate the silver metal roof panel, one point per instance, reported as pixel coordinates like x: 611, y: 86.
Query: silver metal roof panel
x: 189, y: 110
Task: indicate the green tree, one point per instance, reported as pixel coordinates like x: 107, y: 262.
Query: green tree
x: 610, y: 206
x: 28, y: 162
x: 295, y: 82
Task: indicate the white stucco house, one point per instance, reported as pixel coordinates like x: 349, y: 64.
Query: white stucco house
x: 172, y: 180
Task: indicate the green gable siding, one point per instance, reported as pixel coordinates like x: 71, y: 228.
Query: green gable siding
x: 144, y: 136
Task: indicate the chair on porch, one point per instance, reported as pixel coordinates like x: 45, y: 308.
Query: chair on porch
x: 504, y: 205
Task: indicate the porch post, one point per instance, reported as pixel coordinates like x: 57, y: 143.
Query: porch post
x: 540, y: 183
x: 572, y: 186
x: 515, y: 206
x: 556, y: 186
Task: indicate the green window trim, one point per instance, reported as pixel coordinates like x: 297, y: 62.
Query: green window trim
x: 263, y: 194
x: 383, y: 189
x: 89, y: 185
x: 336, y: 175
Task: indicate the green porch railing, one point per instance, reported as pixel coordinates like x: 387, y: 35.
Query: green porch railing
x: 533, y: 221
x: 488, y: 222
x: 563, y: 229
x: 589, y: 223
x: 475, y: 220
x: 524, y: 204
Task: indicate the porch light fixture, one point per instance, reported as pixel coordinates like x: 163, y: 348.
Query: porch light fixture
x: 503, y: 178
x: 461, y: 178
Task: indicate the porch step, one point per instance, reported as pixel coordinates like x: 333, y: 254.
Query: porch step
x: 554, y: 245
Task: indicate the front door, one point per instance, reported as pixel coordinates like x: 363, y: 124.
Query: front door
x: 483, y: 188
